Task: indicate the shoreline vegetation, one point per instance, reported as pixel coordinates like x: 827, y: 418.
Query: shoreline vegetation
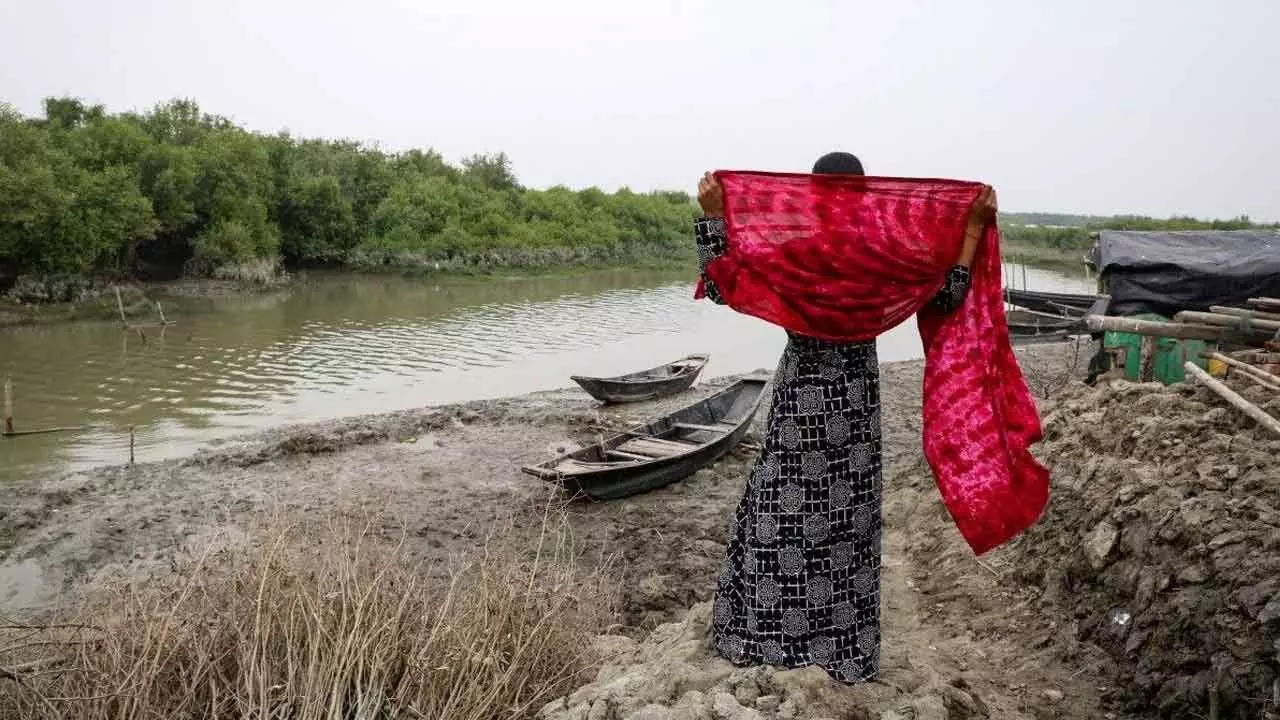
x: 1060, y: 241
x: 176, y: 192
x: 90, y: 199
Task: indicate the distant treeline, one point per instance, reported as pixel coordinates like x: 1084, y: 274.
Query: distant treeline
x: 176, y: 190
x: 1073, y: 232
x: 173, y: 190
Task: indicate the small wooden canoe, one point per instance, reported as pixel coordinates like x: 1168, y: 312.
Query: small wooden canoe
x: 1062, y: 304
x: 1023, y: 323
x: 648, y: 384
x: 660, y: 452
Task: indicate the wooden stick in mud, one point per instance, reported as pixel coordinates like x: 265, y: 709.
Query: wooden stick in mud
x: 1245, y: 312
x: 8, y: 406
x: 1100, y: 323
x: 160, y: 310
x: 1258, y: 375
x: 131, y: 445
x: 124, y: 321
x: 1233, y: 398
x: 1244, y: 324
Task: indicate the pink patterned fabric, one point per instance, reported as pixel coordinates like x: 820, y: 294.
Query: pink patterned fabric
x: 846, y: 258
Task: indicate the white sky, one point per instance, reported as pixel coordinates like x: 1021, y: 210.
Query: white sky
x: 1150, y: 106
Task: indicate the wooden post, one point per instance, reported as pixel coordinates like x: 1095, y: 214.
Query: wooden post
x: 8, y: 406
x: 130, y: 444
x: 1233, y: 398
x: 1262, y: 377
x: 1244, y: 312
x: 1217, y: 333
x: 1243, y: 324
x: 160, y: 310
x: 124, y: 321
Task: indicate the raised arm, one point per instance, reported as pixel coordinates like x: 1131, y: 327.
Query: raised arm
x: 956, y: 286
x: 709, y: 232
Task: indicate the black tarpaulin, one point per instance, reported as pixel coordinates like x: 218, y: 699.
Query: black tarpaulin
x: 1165, y: 272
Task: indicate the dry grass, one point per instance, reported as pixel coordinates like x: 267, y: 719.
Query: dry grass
x: 344, y: 627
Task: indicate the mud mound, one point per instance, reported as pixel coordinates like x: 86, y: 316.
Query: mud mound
x: 1163, y: 538
x: 674, y: 675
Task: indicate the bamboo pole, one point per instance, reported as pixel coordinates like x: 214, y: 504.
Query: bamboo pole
x: 1258, y: 375
x: 1233, y: 398
x: 1217, y: 333
x: 1245, y: 312
x: 1244, y: 324
x: 1266, y: 303
x: 8, y: 406
x: 124, y: 321
x: 8, y: 430
x: 160, y: 310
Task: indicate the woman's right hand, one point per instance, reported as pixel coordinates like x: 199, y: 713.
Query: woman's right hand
x: 710, y: 196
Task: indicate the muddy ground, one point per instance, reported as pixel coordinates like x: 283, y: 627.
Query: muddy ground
x: 963, y: 637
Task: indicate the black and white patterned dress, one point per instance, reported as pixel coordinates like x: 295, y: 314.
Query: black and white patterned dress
x: 801, y: 583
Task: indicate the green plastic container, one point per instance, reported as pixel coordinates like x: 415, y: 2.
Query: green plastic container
x: 1144, y: 358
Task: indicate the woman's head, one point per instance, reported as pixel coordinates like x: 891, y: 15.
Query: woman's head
x: 838, y: 163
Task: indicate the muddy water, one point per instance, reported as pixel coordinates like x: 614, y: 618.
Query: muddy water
x: 339, y: 345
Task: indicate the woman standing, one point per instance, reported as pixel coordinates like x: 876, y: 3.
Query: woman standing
x: 801, y: 583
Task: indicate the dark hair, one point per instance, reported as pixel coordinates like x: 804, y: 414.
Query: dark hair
x: 838, y: 163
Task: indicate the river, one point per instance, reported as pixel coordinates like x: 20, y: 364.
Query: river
x: 335, y: 345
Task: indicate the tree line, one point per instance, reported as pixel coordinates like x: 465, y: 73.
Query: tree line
x: 177, y: 190
x: 1075, y: 232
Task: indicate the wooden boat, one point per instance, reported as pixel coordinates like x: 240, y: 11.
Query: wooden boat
x: 1044, y: 338
x: 656, y: 382
x: 1027, y: 323
x: 661, y: 452
x: 1060, y: 304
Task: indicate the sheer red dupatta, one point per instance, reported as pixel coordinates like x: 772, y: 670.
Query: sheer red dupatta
x: 847, y: 258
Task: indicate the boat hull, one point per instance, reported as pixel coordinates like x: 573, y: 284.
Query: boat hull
x: 709, y: 428
x: 649, y: 384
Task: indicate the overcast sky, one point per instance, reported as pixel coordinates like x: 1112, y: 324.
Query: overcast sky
x: 1150, y: 106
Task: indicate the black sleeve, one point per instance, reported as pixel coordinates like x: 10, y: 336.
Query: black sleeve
x: 709, y: 233
x: 953, y: 292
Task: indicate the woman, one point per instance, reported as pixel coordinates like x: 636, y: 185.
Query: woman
x: 801, y: 584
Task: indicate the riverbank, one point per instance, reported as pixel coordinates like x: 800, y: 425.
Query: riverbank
x: 1069, y: 261
x: 1141, y: 593
x: 84, y: 299
x: 441, y: 482
x: 95, y: 300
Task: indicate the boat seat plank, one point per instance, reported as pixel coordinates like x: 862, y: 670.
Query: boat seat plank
x: 718, y: 428
x: 655, y: 447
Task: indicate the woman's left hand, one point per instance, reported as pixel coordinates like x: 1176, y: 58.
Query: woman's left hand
x: 984, y: 208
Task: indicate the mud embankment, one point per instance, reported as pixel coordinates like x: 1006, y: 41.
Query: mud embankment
x: 1162, y: 541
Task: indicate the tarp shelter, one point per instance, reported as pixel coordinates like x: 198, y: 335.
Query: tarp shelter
x: 1165, y: 272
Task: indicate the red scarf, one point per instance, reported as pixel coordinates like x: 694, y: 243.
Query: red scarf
x: 846, y: 258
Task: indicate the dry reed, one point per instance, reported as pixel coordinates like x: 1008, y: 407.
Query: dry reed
x: 340, y: 624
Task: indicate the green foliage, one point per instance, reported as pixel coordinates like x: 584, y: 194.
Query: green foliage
x: 1070, y: 233
x: 85, y: 191
x: 225, y: 243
